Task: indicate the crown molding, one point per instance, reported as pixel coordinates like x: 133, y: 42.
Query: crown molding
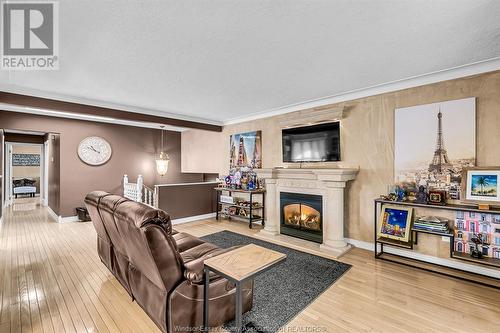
x: 475, y: 68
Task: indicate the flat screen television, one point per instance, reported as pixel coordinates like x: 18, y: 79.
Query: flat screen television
x: 316, y: 143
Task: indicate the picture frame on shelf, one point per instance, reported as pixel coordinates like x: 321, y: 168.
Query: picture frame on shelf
x: 481, y: 185
x: 395, y: 223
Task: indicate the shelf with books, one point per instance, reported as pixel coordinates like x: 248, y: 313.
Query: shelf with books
x: 441, y: 229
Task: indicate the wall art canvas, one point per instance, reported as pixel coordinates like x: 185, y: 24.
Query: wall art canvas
x: 246, y: 150
x: 25, y: 159
x: 471, y: 224
x: 434, y: 143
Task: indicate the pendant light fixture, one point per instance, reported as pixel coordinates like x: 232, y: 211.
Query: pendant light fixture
x: 163, y: 159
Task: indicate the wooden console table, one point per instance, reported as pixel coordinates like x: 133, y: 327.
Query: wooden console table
x: 428, y: 266
x: 251, y: 208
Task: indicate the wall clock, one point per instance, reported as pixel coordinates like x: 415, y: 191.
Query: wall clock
x: 94, y: 150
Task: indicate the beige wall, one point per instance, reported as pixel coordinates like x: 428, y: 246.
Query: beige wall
x: 367, y: 139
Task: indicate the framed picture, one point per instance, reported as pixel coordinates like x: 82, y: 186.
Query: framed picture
x: 481, y: 185
x: 395, y: 223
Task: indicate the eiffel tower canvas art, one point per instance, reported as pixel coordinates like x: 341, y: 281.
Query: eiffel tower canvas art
x: 433, y: 143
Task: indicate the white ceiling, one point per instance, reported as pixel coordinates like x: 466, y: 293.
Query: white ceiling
x: 218, y: 60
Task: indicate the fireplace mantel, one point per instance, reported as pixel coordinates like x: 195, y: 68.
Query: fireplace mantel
x: 329, y: 183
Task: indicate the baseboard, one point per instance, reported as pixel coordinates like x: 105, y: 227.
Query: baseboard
x: 53, y: 214
x: 430, y: 259
x: 68, y: 219
x: 193, y: 218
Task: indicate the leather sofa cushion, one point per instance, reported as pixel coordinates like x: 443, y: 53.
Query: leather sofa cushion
x: 185, y: 241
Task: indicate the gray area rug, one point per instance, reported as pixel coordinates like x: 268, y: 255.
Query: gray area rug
x: 286, y: 289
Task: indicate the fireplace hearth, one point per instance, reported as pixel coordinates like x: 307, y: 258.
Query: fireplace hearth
x: 301, y: 216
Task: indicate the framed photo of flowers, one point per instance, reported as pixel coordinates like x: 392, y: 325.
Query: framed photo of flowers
x: 395, y: 223
x: 481, y: 185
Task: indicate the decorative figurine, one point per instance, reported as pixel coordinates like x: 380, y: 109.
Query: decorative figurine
x: 437, y: 197
x: 477, y: 252
x: 421, y: 196
x: 400, y: 193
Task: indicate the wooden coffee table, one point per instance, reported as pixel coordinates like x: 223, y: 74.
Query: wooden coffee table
x: 239, y: 266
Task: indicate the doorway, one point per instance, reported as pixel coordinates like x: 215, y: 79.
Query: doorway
x: 25, y: 171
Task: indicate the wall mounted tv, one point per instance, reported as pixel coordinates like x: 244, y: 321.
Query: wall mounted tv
x: 316, y: 143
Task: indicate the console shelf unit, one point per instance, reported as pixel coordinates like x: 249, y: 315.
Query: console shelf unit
x: 433, y: 267
x: 250, y: 208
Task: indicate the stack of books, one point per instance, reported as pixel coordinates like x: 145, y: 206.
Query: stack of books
x: 432, y: 223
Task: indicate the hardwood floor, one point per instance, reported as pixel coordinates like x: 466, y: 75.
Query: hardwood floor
x: 51, y: 280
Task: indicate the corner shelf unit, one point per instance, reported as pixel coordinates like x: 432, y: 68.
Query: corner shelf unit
x: 250, y: 208
x: 428, y: 266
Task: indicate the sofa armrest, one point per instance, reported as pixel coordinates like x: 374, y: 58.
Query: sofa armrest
x: 194, y: 269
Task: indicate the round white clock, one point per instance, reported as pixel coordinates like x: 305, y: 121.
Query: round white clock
x: 94, y: 150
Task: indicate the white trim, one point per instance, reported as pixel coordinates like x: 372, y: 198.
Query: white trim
x: 361, y: 244
x: 52, y: 214
x: 68, y: 219
x: 82, y: 116
x: 182, y: 184
x: 193, y: 218
x: 475, y: 68
x: 92, y: 102
x: 427, y: 258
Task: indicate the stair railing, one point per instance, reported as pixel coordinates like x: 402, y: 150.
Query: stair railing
x: 140, y: 192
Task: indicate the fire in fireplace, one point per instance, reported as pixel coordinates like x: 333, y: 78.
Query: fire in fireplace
x: 301, y: 216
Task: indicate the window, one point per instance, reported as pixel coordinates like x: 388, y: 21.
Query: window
x: 484, y: 228
x: 460, y: 215
x: 472, y: 226
x: 497, y: 240
x: 460, y: 235
x: 472, y: 214
x: 460, y: 225
x: 483, y: 217
x: 496, y: 218
x: 497, y: 230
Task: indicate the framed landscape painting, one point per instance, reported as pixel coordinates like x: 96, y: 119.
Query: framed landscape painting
x: 481, y: 185
x: 433, y: 144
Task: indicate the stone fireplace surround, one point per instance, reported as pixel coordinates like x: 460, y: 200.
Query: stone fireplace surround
x: 329, y: 183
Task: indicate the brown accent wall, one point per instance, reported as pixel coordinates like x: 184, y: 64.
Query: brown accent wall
x: 134, y: 150
x: 188, y: 200
x: 367, y: 142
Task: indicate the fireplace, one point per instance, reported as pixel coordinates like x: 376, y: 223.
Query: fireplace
x: 301, y: 216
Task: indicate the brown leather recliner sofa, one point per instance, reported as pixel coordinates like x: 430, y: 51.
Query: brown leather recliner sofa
x: 160, y: 268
